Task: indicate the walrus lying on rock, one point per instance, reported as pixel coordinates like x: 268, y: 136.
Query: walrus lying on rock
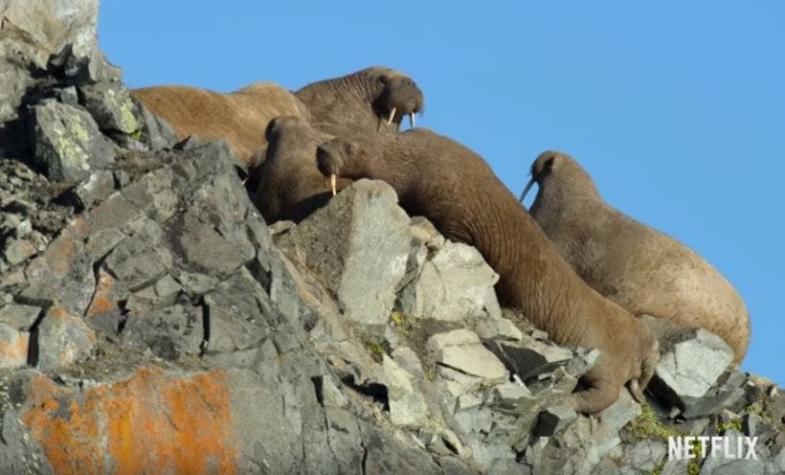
x: 454, y: 188
x: 636, y: 266
x: 239, y: 117
x: 371, y: 101
x: 374, y: 98
x: 290, y: 184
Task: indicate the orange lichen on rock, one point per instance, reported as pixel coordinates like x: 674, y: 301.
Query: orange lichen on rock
x: 153, y: 422
x: 102, y: 298
x: 13, y: 348
x: 60, y: 254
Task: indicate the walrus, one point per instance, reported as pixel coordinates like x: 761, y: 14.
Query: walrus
x: 458, y: 192
x: 239, y: 117
x: 636, y: 266
x: 374, y: 98
x: 290, y: 184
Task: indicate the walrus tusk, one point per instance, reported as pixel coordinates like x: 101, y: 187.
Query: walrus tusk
x: 333, y: 180
x: 411, y: 119
x: 392, y: 116
x: 635, y: 390
x: 526, y: 190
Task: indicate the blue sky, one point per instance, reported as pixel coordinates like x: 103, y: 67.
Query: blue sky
x: 677, y: 109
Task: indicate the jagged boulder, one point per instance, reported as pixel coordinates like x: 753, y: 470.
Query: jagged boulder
x: 151, y: 321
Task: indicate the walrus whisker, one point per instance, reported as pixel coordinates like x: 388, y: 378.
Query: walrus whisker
x: 526, y: 189
x: 333, y: 180
x: 392, y: 116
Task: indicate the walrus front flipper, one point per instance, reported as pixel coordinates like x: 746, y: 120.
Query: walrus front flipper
x: 635, y: 389
x: 600, y: 395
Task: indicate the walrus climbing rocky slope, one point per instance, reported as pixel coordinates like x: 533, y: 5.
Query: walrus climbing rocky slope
x: 636, y: 266
x: 453, y: 187
x: 239, y: 117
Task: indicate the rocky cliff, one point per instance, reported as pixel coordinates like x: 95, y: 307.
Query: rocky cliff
x: 152, y: 322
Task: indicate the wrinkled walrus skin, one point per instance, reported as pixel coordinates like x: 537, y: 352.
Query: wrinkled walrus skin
x: 239, y: 117
x: 454, y: 188
x: 636, y: 266
x: 372, y: 99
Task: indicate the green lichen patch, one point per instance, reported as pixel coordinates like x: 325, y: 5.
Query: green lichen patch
x: 377, y: 347
x: 648, y: 426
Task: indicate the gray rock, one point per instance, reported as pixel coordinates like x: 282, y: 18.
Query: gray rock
x: 63, y: 275
x: 407, y: 406
x: 156, y: 132
x: 531, y: 357
x: 720, y: 464
x: 462, y: 350
x: 67, y: 95
x: 585, y: 442
x: 111, y: 106
x: 779, y: 462
x: 508, y: 467
x: 721, y: 396
x: 14, y: 346
x: 691, y: 365
x: 63, y: 339
x: 511, y: 391
x: 18, y: 454
x: 17, y: 251
x: 101, y: 242
x: 644, y: 456
x: 554, y: 419
x: 454, y: 284
x: 206, y: 250
x: 95, y: 189
x: 169, y: 332
x: 19, y: 317
x: 497, y: 329
x: 358, y: 246
x: 236, y: 314
x: 135, y: 263
x: 68, y: 144
x: 408, y: 360
x: 50, y: 25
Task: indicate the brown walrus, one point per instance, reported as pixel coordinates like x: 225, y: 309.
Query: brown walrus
x: 290, y: 185
x: 374, y: 98
x: 636, y: 266
x: 454, y: 188
x: 239, y: 117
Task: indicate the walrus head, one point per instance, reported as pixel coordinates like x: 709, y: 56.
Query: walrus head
x: 552, y: 164
x: 397, y: 96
